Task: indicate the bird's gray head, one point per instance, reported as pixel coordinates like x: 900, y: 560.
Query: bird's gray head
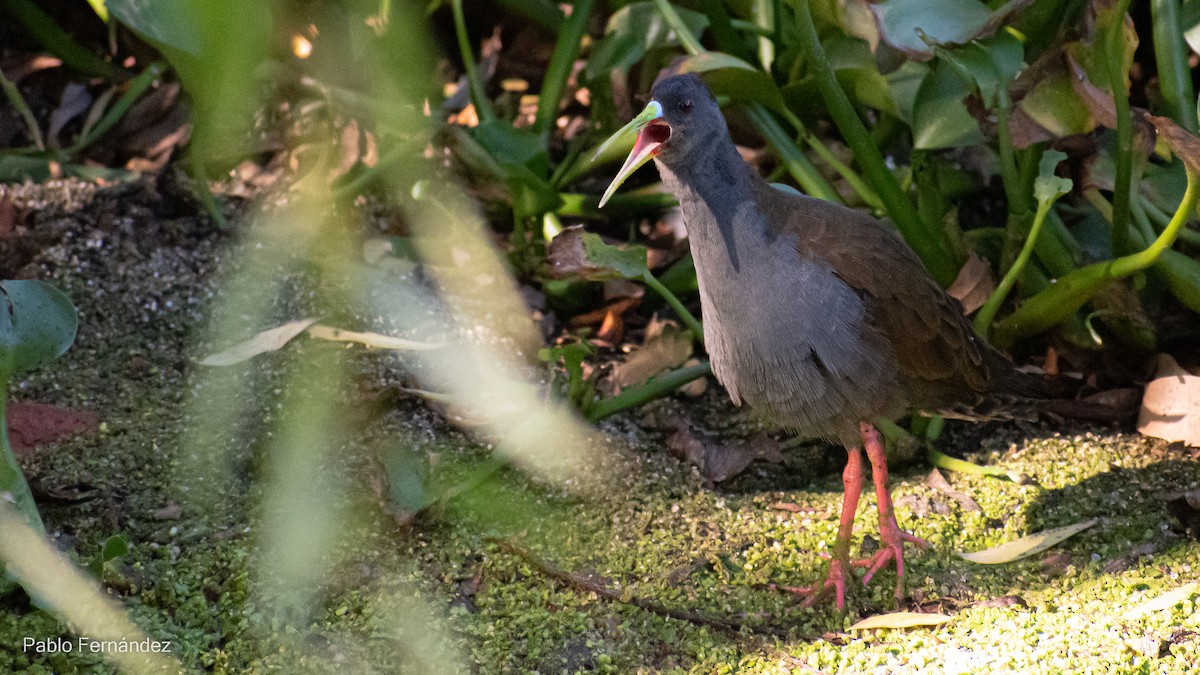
x: 681, y: 124
x: 691, y: 116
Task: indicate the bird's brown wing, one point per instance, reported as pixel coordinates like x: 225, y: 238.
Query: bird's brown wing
x: 938, y: 357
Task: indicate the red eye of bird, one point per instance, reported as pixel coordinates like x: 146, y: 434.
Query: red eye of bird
x: 685, y: 106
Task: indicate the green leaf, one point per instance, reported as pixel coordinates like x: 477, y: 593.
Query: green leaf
x: 583, y: 254
x: 37, y: 324
x: 904, y: 83
x: 167, y: 22
x: 1048, y: 187
x: 913, y: 25
x: 114, y: 547
x: 940, y: 117
x: 513, y: 146
x: 1056, y: 106
x: 991, y: 63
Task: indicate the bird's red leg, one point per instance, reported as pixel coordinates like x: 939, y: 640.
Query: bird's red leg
x: 839, y: 562
x: 891, y: 537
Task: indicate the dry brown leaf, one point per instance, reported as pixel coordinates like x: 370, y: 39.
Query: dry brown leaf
x: 716, y: 461
x: 1027, y: 545
x: 973, y: 285
x: 900, y: 620
x: 1171, y: 405
x: 1163, y: 602
x: 669, y: 348
x: 266, y: 341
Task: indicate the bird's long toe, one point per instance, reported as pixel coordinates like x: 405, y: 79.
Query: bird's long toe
x: 892, y: 540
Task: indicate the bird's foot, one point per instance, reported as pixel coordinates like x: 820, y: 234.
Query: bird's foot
x: 835, y: 582
x: 892, y: 540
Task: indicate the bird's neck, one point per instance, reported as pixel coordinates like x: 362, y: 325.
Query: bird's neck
x: 716, y: 193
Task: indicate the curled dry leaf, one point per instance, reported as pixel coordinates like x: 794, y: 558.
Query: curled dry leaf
x: 1171, y: 404
x: 1026, y: 546
x: 900, y: 620
x: 973, y: 285
x: 669, y: 348
x: 266, y: 341
x: 1163, y: 602
x: 717, y: 461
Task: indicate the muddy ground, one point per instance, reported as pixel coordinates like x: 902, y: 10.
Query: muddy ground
x: 513, y: 575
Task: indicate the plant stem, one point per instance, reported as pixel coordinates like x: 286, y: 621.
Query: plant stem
x: 983, y: 320
x: 929, y: 242
x: 653, y: 388
x: 1113, y: 56
x: 566, y: 50
x: 483, y: 107
x: 14, y: 97
x: 1070, y: 292
x: 687, y: 317
x: 1171, y: 55
x: 13, y: 487
x: 796, y: 163
x: 690, y: 44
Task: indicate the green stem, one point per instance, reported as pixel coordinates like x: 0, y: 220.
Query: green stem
x: 1018, y: 201
x: 1070, y: 292
x: 134, y: 90
x: 1171, y: 55
x: 653, y: 388
x: 566, y: 50
x: 14, y: 97
x: 796, y: 163
x: 929, y: 242
x: 983, y: 320
x: 687, y: 317
x: 690, y: 44
x: 1114, y: 65
x: 13, y: 487
x: 59, y: 42
x: 483, y: 107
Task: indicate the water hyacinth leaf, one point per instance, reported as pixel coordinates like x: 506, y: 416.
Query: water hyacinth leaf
x: 991, y: 63
x: 511, y: 146
x: 1026, y: 546
x: 940, y: 116
x: 915, y: 27
x: 632, y: 31
x: 900, y: 620
x: 904, y: 83
x: 37, y: 324
x: 267, y: 341
x: 1163, y: 602
x: 1055, y: 105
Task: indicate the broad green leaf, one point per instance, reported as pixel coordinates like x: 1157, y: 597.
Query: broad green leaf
x: 513, y: 146
x: 991, y: 63
x: 266, y: 341
x: 913, y: 26
x: 940, y: 116
x: 1054, y: 104
x: 900, y: 620
x: 904, y: 83
x: 37, y: 325
x: 1163, y: 602
x: 1026, y: 546
x: 1048, y: 187
x: 170, y: 23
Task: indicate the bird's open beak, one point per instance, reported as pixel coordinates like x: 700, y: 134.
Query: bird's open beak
x: 652, y: 130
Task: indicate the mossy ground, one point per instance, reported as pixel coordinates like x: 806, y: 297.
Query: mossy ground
x: 443, y: 595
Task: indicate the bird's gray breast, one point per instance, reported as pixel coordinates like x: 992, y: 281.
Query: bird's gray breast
x: 791, y: 339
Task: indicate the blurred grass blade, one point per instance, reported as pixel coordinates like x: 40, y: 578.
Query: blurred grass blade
x: 57, y: 41
x: 1171, y: 56
x: 562, y: 60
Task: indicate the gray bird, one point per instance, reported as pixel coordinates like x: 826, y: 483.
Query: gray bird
x: 816, y: 316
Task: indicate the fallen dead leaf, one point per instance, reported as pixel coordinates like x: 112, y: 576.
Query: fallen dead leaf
x: 266, y: 341
x: 171, y: 511
x: 938, y: 482
x: 1171, y: 404
x: 716, y: 461
x: 669, y: 348
x: 973, y: 285
x: 1163, y: 602
x: 1027, y: 545
x: 31, y: 425
x: 900, y: 620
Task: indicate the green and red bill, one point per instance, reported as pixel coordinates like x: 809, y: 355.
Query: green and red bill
x: 652, y: 132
